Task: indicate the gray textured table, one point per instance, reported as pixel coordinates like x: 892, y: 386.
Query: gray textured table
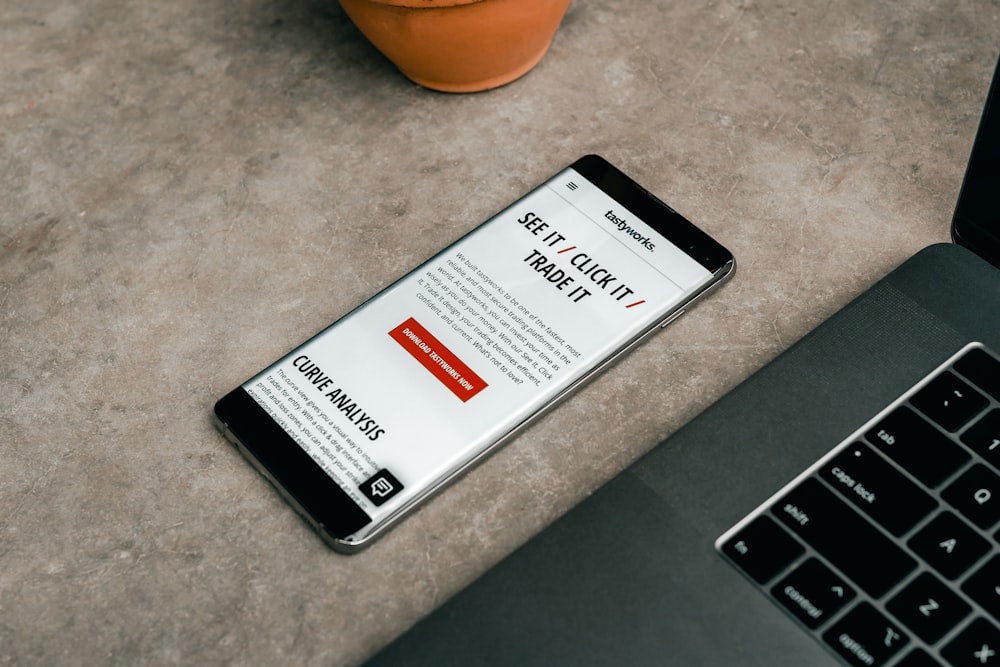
x: 191, y: 188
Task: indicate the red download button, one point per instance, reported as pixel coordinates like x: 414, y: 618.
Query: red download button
x: 438, y: 359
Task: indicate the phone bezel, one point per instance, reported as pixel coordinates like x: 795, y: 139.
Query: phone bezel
x: 660, y: 216
x: 327, y: 507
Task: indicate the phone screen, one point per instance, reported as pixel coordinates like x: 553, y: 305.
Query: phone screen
x: 418, y: 382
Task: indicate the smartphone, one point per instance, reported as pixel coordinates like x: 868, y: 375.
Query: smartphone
x: 371, y: 416
x: 976, y: 223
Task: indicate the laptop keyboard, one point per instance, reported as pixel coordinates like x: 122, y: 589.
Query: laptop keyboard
x: 887, y: 549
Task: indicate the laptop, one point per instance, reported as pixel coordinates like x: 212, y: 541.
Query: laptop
x: 839, y: 507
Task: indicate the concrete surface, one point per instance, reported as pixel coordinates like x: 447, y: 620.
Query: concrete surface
x: 191, y: 188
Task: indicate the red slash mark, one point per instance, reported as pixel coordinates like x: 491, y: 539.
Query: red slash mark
x: 572, y: 247
x: 636, y: 303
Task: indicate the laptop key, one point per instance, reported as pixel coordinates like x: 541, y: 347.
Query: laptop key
x: 984, y: 438
x: 813, y: 593
x: 949, y: 545
x: 976, y: 494
x: 912, y: 442
x: 984, y: 588
x: 918, y: 658
x: 762, y: 549
x: 949, y: 401
x: 982, y: 370
x: 865, y: 637
x: 928, y: 607
x: 842, y: 536
x: 878, y: 488
x: 975, y: 646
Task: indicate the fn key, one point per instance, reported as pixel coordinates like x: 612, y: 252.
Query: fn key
x: 762, y: 549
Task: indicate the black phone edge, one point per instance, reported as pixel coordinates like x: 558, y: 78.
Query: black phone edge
x: 674, y: 227
x: 300, y: 480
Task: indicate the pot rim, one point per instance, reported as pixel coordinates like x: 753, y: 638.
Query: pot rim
x: 424, y: 4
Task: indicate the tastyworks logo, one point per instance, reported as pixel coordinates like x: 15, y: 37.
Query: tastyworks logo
x: 623, y: 226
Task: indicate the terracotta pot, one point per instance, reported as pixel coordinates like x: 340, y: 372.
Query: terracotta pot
x: 459, y: 46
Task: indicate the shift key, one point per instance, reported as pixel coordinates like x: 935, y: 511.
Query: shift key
x: 842, y: 536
